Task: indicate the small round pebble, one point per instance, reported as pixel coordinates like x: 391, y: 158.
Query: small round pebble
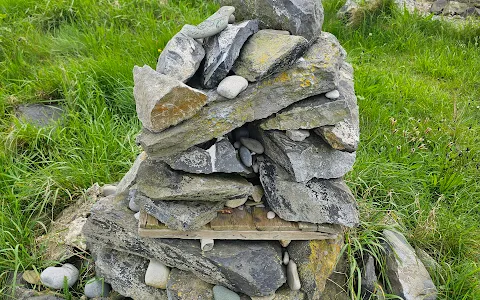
x: 237, y: 145
x: 231, y: 86
x: 255, y: 168
x: 231, y: 19
x: 157, y: 274
x: 222, y: 293
x: 245, y: 156
x: 131, y: 203
x: 109, y: 189
x: 286, y: 258
x: 207, y: 244
x: 270, y: 215
x: 252, y: 145
x: 293, y: 279
x: 332, y: 94
x: 97, y: 288
x: 53, y: 277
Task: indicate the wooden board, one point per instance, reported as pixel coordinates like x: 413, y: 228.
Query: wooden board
x: 240, y: 225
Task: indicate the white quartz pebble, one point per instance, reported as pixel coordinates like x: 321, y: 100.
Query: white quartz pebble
x: 270, y: 215
x: 293, y: 279
x: 332, y: 94
x: 231, y: 86
x: 157, y: 274
x: 206, y: 244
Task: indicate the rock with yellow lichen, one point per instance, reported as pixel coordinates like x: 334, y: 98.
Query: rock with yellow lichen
x: 184, y: 285
x: 268, y: 52
x: 316, y: 73
x: 316, y: 261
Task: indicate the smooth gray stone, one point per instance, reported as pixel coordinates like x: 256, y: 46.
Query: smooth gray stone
x: 315, y: 201
x: 369, y: 277
x: 125, y: 272
x: 97, y: 288
x: 298, y: 135
x: 181, y: 57
x: 162, y: 101
x: 211, y: 26
x: 267, y: 53
x: 130, y: 178
x: 408, y: 276
x: 219, y: 158
x: 260, y: 271
x: 245, y: 156
x: 316, y: 73
x: 181, y: 215
x: 299, y: 17
x: 131, y: 200
x: 223, y: 49
x: 184, y: 285
x: 293, y: 279
x: 344, y: 135
x: 231, y: 86
x: 252, y: 145
x: 222, y: 293
x: 53, y: 277
x: 158, y: 182
x: 39, y: 115
x: 311, y: 158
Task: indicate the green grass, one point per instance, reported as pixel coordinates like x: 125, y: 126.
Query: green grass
x: 417, y: 81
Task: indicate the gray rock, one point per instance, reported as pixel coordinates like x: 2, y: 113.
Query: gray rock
x: 162, y: 101
x: 252, y: 145
x: 130, y: 178
x: 311, y: 158
x: 132, y: 200
x: 471, y: 12
x: 250, y: 267
x: 408, y: 277
x: 53, y: 277
x: 245, y: 156
x: 369, y: 277
x: 285, y: 293
x: 222, y: 293
x: 125, y: 272
x: 219, y: 158
x: 455, y: 8
x: 181, y: 215
x: 299, y: 17
x: 336, y: 287
x: 158, y: 182
x: 109, y: 189
x: 438, y: 6
x: 183, y: 285
x: 347, y: 10
x: 181, y: 57
x: 293, y: 279
x: 39, y: 115
x: 315, y: 74
x: 231, y: 86
x: 267, y: 53
x: 212, y: 25
x: 240, y: 133
x: 298, y: 135
x: 310, y: 113
x: 223, y: 49
x: 314, y: 201
x: 97, y: 288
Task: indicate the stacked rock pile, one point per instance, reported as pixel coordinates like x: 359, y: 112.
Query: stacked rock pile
x: 261, y: 112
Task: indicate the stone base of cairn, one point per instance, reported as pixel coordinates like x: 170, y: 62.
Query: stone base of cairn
x: 248, y: 128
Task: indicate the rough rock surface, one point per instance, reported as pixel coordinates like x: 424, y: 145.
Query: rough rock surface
x: 314, y: 201
x: 299, y: 17
x: 221, y: 157
x: 125, y: 272
x: 223, y: 49
x: 310, y: 113
x: 162, y: 101
x: 251, y: 267
x: 408, y: 277
x: 316, y: 73
x: 130, y: 178
x: 310, y: 158
x: 316, y: 261
x: 158, y: 182
x: 267, y: 53
x: 369, y: 276
x: 181, y: 215
x: 285, y: 293
x: 181, y: 57
x: 39, y: 115
x: 183, y: 285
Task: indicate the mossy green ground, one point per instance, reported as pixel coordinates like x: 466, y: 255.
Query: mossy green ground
x: 417, y: 80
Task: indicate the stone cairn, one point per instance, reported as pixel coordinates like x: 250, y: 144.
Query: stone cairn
x: 258, y: 113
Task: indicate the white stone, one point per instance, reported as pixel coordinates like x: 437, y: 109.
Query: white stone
x: 286, y: 258
x: 293, y: 279
x: 157, y: 274
x: 53, y: 277
x: 231, y: 19
x: 270, y: 215
x: 206, y: 244
x: 231, y: 86
x: 236, y: 202
x: 333, y: 94
x: 255, y: 167
x: 109, y: 189
x: 298, y: 135
x: 137, y: 215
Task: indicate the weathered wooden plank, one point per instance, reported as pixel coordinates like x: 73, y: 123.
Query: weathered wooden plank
x: 304, y: 226
x: 142, y: 221
x: 330, y: 228
x: 275, y: 224
x: 152, y: 222
x: 237, y: 220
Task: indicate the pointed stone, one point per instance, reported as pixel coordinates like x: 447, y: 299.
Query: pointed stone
x: 181, y: 57
x: 130, y: 178
x: 162, y: 101
x: 316, y: 73
x: 223, y: 49
x: 315, y: 201
x: 267, y: 53
x: 158, y: 182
